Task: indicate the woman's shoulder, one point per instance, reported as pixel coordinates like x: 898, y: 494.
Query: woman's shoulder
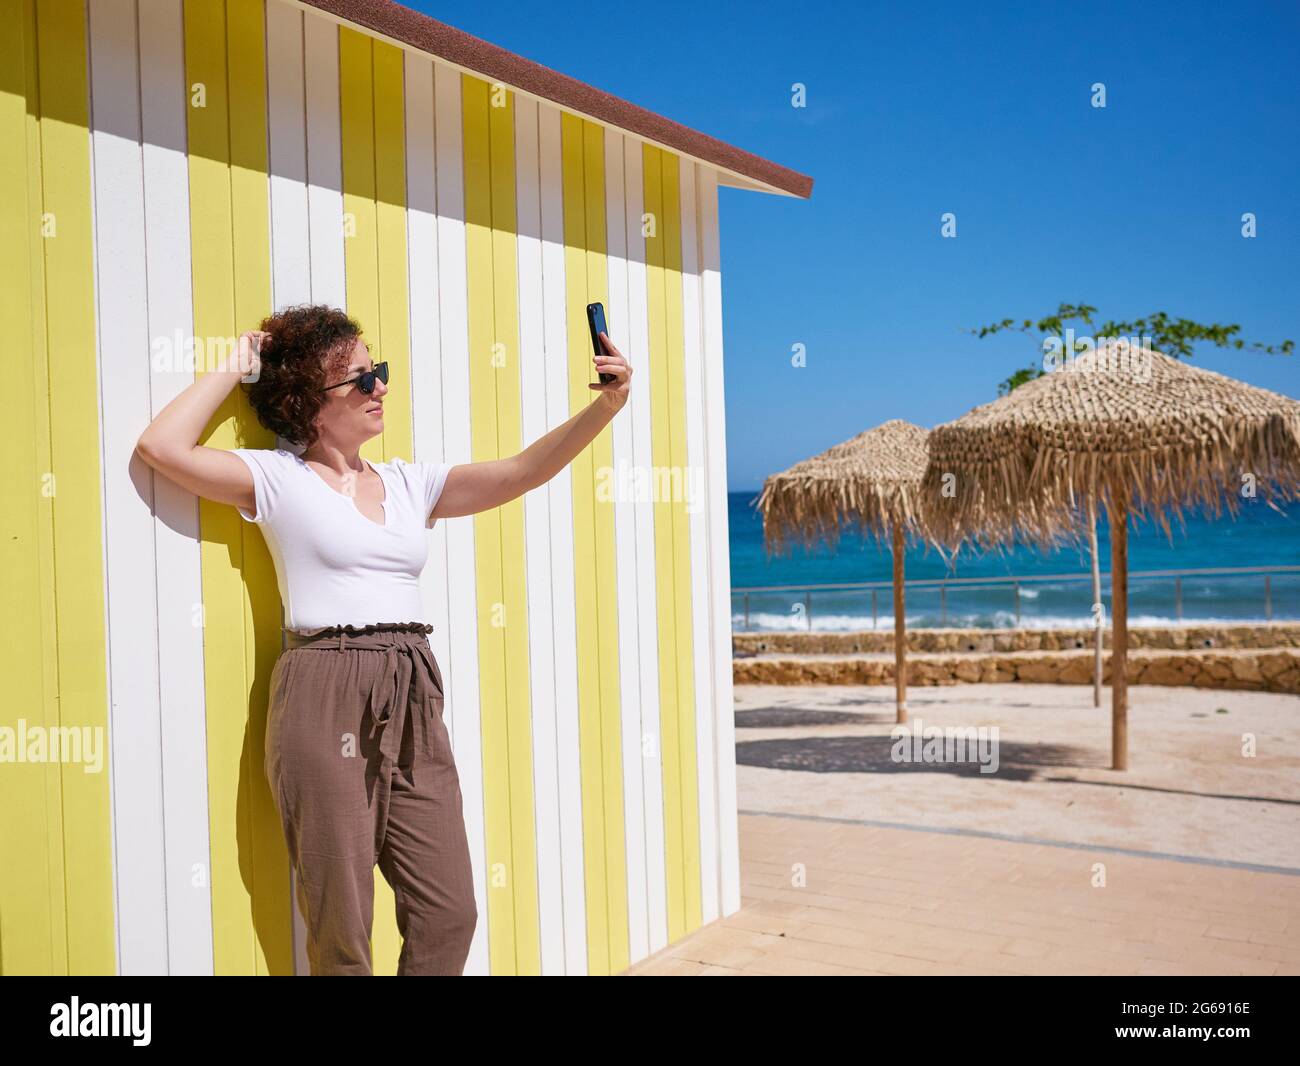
x: 274, y: 463
x: 272, y: 472
x: 424, y: 478
x: 414, y: 469
x: 403, y: 469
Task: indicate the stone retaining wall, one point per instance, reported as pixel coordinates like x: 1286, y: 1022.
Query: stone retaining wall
x: 1172, y: 638
x: 1272, y: 671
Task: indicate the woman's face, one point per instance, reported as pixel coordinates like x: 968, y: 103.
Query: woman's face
x: 351, y: 416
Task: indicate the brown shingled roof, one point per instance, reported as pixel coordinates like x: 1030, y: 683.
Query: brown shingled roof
x: 406, y: 27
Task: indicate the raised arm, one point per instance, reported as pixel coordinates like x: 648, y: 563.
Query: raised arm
x: 170, y: 442
x: 474, y: 487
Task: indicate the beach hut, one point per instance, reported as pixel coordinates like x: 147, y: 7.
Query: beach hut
x: 871, y: 481
x: 174, y: 170
x: 1133, y: 430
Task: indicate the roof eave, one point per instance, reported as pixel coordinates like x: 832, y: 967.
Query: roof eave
x: 415, y: 31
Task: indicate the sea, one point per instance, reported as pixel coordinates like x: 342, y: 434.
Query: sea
x: 1258, y: 537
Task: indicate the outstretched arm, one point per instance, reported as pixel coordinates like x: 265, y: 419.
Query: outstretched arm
x: 474, y: 487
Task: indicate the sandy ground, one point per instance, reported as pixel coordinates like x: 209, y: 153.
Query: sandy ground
x: 1189, y: 789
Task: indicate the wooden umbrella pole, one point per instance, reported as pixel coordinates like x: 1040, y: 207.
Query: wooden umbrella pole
x: 1096, y: 599
x: 1117, y: 512
x: 900, y: 629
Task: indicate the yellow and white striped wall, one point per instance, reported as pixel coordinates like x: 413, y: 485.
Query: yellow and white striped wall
x: 173, y: 170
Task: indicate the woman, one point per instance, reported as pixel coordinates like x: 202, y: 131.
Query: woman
x: 357, y: 756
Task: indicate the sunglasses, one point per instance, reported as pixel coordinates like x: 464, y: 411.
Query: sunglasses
x: 365, y: 382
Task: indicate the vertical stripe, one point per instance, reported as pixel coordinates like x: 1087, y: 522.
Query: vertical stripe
x: 719, y: 545
x: 595, y: 577
x: 291, y: 260
x: 263, y: 616
x: 647, y: 590
x: 500, y: 565
x: 614, y: 483
x: 361, y: 233
x: 390, y: 238
x: 286, y: 108
x: 320, y: 42
x: 487, y: 529
x: 697, y: 517
x: 374, y: 204
x: 560, y: 518
x: 676, y: 483
x: 230, y: 236
x: 177, y: 577
x: 657, y: 359
x: 672, y: 560
x: 423, y: 405
x: 636, y: 336
x: 606, y: 580
x: 33, y: 907
x: 461, y: 673
x: 43, y: 474
x: 140, y: 895
x: 541, y: 653
x: 719, y: 575
x: 71, y: 443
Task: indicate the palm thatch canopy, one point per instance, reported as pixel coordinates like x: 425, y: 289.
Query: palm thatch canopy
x: 872, y: 480
x: 1124, y: 424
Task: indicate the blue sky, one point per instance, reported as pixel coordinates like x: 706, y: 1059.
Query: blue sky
x: 983, y: 111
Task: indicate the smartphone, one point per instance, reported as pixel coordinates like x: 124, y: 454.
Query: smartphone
x: 596, y: 320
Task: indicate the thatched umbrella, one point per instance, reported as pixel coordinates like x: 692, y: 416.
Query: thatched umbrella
x: 1135, y: 430
x: 871, y: 481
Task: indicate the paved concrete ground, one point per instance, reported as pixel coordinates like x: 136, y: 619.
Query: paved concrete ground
x: 1187, y: 863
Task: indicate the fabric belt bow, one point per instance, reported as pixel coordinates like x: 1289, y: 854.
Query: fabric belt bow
x: 407, y: 680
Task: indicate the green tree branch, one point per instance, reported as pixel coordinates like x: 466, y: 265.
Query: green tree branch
x: 1172, y: 336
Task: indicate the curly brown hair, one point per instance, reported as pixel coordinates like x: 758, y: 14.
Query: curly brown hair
x: 308, y: 348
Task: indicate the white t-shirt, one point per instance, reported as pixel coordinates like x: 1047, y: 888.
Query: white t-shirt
x: 334, y: 565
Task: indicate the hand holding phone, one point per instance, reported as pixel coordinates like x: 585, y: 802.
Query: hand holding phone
x: 596, y: 322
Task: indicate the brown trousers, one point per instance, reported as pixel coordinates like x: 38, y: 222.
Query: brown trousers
x: 361, y: 769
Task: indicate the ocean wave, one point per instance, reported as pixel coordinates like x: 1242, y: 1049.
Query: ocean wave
x: 772, y: 622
